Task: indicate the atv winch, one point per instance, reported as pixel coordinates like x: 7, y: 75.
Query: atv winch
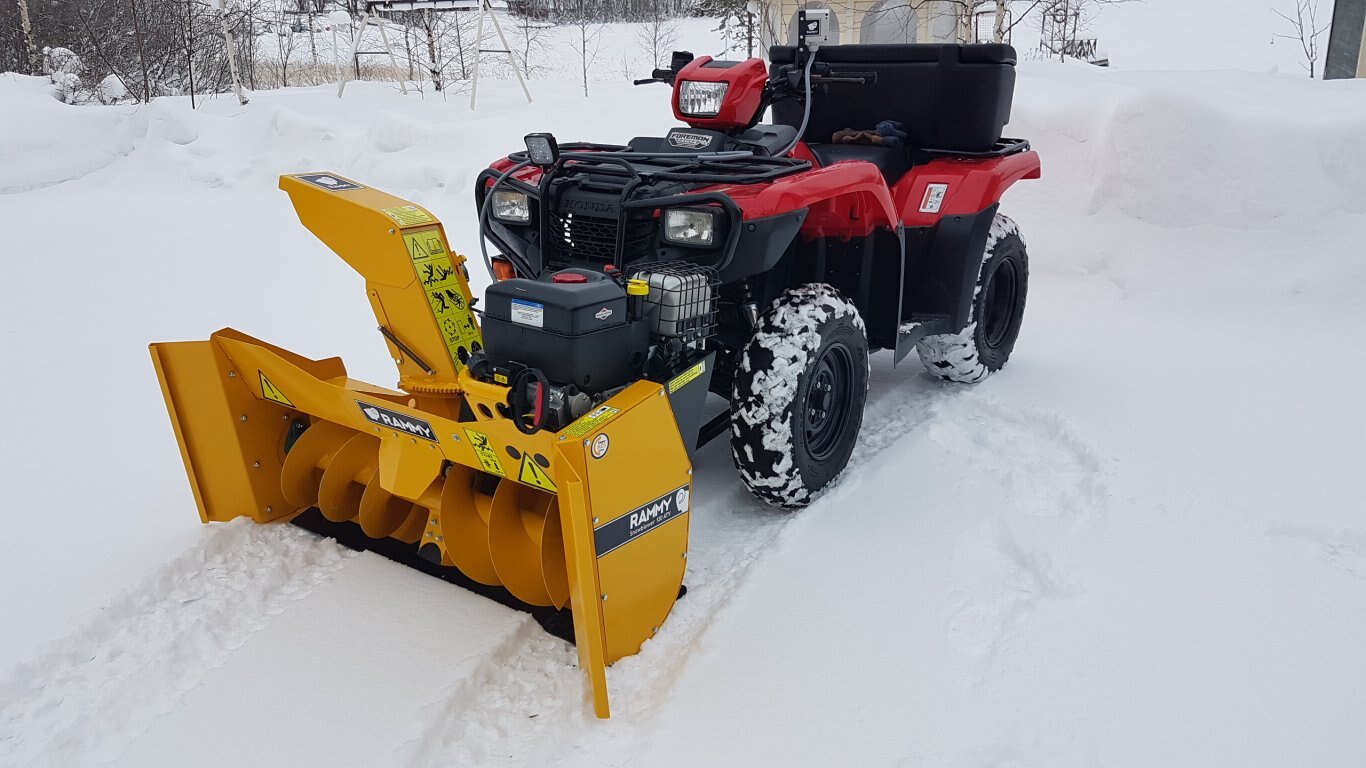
x: 539, y: 449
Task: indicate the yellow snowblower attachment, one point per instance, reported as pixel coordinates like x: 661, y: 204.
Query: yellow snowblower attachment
x: 439, y: 466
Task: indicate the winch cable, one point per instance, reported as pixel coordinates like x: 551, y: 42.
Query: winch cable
x: 806, y: 110
x: 484, y: 221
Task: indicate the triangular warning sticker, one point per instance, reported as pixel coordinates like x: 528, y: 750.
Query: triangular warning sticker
x: 533, y: 474
x: 272, y: 392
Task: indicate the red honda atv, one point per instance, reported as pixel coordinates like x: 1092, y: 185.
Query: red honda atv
x: 765, y: 261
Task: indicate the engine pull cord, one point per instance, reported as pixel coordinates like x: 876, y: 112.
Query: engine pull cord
x: 517, y: 405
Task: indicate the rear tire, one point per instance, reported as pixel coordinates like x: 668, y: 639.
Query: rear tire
x: 984, y: 346
x: 797, y: 401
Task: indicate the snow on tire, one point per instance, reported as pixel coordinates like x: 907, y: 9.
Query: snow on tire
x: 797, y: 403
x: 998, y: 304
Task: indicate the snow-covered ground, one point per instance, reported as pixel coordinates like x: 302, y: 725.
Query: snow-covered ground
x: 1141, y: 545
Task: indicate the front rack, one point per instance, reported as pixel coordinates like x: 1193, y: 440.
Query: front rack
x: 648, y: 167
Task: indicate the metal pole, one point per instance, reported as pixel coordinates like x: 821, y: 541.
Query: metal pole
x: 355, y: 46
x: 516, y: 70
x: 393, y: 63
x: 137, y: 34
x: 478, y: 43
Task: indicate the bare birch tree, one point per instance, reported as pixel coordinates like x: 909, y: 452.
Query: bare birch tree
x: 1306, y: 29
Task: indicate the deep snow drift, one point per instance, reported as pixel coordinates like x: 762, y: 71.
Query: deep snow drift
x: 1140, y: 545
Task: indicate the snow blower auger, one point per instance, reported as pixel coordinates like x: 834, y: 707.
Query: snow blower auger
x: 473, y: 466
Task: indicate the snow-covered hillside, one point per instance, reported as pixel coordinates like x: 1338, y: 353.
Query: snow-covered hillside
x: 1141, y: 545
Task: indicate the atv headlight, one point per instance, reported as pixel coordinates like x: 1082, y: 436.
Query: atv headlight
x: 689, y: 226
x: 511, y: 205
x: 697, y: 99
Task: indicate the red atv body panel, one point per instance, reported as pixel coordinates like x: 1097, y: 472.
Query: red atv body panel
x: 850, y: 198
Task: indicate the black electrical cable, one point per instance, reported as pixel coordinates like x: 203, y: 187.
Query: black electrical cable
x: 806, y: 109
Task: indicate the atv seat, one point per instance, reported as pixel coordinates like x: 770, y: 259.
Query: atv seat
x: 763, y: 140
x: 893, y: 162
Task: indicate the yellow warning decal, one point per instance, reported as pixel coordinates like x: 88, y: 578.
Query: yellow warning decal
x: 684, y: 378
x: 444, y: 290
x: 591, y: 421
x: 271, y: 392
x: 488, y: 457
x: 409, y: 215
x: 534, y: 474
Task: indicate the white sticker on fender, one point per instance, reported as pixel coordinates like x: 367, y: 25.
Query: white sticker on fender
x: 934, y: 198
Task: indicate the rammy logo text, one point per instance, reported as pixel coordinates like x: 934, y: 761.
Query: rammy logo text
x: 659, y: 510
x: 393, y: 420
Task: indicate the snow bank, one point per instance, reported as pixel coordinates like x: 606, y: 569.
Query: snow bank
x: 1268, y: 153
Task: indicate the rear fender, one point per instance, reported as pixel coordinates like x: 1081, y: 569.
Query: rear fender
x: 967, y: 185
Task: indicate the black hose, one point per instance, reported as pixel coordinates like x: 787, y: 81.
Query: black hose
x: 806, y: 109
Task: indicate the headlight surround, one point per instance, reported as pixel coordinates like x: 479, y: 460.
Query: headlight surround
x: 690, y: 226
x: 699, y: 99
x: 511, y: 205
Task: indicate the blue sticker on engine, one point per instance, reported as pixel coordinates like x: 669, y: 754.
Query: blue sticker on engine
x: 528, y: 313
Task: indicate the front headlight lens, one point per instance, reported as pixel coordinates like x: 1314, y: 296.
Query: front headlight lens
x: 511, y: 205
x: 701, y: 99
x: 689, y: 226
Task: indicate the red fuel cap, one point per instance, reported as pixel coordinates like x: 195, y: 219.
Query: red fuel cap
x: 568, y: 277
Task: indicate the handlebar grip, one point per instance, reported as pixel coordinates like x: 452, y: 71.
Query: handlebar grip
x: 646, y: 81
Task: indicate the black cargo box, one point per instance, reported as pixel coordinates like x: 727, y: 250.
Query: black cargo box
x: 948, y: 96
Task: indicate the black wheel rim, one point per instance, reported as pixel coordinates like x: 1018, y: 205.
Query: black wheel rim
x: 998, y: 308
x: 827, y: 401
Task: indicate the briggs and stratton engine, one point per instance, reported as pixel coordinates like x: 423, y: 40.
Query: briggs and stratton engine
x: 573, y: 338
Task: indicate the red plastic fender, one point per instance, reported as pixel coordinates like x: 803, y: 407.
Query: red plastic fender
x: 967, y: 186
x: 845, y: 199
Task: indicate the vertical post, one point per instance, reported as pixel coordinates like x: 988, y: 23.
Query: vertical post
x: 355, y: 46
x: 478, y: 43
x: 516, y: 70
x: 393, y: 62
x: 142, y: 57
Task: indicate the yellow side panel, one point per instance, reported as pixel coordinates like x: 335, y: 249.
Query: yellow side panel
x: 639, y: 491
x: 231, y: 442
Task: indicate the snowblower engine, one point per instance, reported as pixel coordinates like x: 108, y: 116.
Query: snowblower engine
x: 568, y: 342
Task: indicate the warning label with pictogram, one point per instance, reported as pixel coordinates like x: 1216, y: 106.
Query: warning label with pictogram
x: 436, y: 272
x: 271, y: 392
x: 483, y: 449
x: 409, y: 216
x: 534, y: 474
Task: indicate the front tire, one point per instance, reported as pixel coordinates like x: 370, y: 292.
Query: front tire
x: 983, y: 347
x: 797, y: 401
